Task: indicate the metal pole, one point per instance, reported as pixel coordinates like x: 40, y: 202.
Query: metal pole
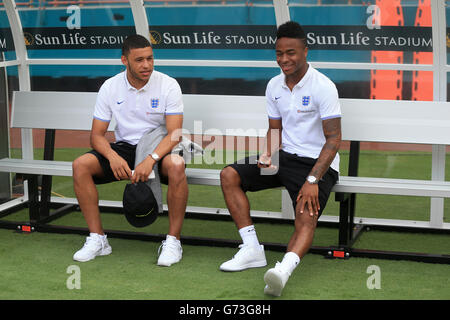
x: 281, y: 8
x: 24, y: 75
x: 140, y: 18
x: 5, y: 177
x: 23, y: 68
x: 439, y: 94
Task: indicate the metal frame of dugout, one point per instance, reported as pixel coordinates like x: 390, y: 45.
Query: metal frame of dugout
x: 42, y: 210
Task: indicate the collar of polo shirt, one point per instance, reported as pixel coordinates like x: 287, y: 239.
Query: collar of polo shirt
x: 130, y: 87
x: 301, y: 82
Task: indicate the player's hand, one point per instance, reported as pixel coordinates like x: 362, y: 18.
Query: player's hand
x: 264, y: 161
x: 119, y: 167
x: 143, y: 170
x: 308, y: 199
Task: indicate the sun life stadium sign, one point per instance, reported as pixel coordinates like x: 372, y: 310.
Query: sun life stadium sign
x: 387, y: 38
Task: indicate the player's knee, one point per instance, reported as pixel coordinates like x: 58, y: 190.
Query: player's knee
x: 176, y: 172
x: 229, y: 177
x: 78, y: 166
x: 305, y: 219
x: 82, y: 166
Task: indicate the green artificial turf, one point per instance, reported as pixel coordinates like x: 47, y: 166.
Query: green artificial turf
x: 34, y: 266
x: 38, y: 266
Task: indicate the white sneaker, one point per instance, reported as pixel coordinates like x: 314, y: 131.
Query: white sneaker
x: 275, y: 279
x: 247, y: 257
x: 169, y: 252
x: 95, y: 245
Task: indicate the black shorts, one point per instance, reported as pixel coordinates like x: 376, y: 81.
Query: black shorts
x: 126, y: 151
x: 291, y: 174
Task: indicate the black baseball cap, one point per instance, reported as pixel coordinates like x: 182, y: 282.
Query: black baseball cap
x: 139, y: 204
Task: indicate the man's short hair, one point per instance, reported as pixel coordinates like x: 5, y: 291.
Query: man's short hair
x: 134, y: 41
x: 291, y: 29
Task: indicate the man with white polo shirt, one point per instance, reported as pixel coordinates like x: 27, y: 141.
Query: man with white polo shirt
x: 140, y: 99
x: 300, y: 154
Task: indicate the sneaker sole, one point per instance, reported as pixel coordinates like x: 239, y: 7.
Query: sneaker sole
x: 269, y: 291
x: 273, y: 281
x: 162, y: 264
x: 258, y: 264
x: 165, y: 264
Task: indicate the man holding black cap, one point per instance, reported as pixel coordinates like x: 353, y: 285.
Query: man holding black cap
x: 300, y: 154
x: 139, y: 204
x: 140, y: 99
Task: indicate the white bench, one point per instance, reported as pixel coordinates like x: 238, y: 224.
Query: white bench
x: 245, y: 116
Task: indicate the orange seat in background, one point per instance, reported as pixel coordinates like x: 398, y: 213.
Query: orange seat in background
x: 387, y: 84
x: 422, y: 81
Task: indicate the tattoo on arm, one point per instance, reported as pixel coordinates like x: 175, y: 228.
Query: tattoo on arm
x: 333, y: 136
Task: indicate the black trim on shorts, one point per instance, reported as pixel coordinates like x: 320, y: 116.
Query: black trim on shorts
x: 291, y: 174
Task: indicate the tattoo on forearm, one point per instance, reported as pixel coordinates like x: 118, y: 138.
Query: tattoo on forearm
x: 332, y: 132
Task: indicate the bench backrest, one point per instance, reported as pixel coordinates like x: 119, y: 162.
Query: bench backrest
x: 53, y: 110
x: 225, y: 115
x: 73, y: 111
x: 424, y: 122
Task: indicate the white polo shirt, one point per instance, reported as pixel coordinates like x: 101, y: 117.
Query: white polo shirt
x: 313, y: 99
x: 138, y: 111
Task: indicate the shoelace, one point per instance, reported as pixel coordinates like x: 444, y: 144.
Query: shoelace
x: 239, y: 247
x: 171, y: 246
x: 91, y: 243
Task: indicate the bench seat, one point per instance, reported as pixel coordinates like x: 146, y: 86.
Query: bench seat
x: 346, y: 184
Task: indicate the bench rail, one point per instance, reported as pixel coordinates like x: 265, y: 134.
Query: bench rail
x: 346, y: 184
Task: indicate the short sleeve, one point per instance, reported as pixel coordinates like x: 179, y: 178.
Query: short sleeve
x: 174, y: 100
x: 102, y: 109
x: 272, y: 110
x: 329, y: 105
